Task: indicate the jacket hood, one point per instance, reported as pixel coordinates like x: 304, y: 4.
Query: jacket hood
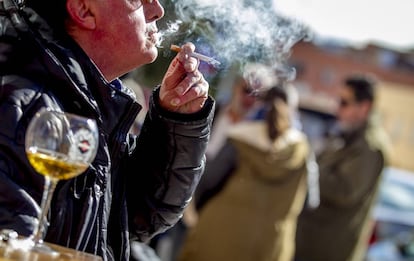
x: 30, y: 49
x: 33, y: 51
x: 287, y: 153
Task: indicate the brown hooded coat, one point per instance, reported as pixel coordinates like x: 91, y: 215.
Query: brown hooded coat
x: 254, y: 216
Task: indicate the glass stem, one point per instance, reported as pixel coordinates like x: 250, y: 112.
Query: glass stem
x: 48, y: 189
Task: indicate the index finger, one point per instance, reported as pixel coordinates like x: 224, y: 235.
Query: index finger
x: 182, y: 64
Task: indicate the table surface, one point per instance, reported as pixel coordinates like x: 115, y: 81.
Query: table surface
x: 8, y: 253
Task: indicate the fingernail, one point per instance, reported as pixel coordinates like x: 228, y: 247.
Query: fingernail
x: 175, y: 101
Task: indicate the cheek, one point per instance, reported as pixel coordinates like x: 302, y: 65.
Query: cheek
x: 136, y: 28
x: 344, y: 114
x: 126, y: 23
x: 128, y: 36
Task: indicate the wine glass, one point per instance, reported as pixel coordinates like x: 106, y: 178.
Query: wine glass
x: 59, y: 146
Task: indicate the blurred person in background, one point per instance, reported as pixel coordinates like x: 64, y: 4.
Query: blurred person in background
x: 254, y: 216
x: 350, y: 167
x: 68, y: 55
x: 241, y: 105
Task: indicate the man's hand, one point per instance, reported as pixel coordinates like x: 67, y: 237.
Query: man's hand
x: 184, y: 88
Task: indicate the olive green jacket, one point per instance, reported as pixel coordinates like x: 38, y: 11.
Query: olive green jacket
x: 350, y: 172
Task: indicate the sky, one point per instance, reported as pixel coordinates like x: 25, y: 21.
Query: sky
x: 389, y: 23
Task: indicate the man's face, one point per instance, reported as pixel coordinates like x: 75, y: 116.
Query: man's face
x: 127, y: 30
x: 351, y: 113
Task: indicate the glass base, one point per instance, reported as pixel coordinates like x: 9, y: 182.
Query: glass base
x: 24, y: 245
x: 44, y: 249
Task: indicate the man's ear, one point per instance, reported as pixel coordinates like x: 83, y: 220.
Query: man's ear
x: 80, y: 13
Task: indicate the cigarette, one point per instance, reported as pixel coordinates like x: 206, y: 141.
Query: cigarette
x: 199, y: 56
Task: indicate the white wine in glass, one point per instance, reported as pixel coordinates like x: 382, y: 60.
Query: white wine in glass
x: 59, y: 146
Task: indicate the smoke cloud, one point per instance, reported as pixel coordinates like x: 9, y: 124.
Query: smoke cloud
x: 236, y: 32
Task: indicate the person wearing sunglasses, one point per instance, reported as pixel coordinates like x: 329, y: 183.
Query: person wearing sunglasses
x: 350, y: 166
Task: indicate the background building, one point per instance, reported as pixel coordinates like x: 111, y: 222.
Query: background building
x: 320, y: 68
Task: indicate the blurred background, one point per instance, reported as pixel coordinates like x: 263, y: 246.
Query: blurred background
x: 313, y: 44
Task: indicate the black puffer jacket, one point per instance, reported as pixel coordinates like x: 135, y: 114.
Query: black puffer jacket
x: 134, y: 188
